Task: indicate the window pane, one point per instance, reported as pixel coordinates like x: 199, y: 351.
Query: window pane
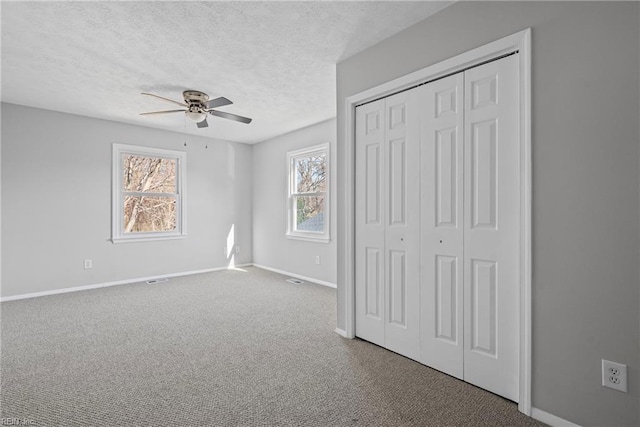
x: 311, y: 173
x: 147, y: 214
x: 309, y: 213
x: 149, y: 174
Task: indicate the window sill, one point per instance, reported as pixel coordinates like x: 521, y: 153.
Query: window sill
x: 147, y: 238
x: 308, y: 238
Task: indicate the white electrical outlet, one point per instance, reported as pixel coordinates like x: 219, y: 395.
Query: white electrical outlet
x: 318, y: 259
x: 614, y: 375
x: 88, y: 263
x: 237, y: 249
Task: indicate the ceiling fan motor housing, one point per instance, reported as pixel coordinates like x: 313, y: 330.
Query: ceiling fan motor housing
x: 194, y: 97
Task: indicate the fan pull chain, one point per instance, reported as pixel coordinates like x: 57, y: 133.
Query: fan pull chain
x: 185, y: 131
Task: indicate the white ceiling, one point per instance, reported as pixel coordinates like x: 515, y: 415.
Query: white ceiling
x: 274, y: 60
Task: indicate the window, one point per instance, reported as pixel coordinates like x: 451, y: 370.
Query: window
x: 308, y: 202
x: 148, y: 193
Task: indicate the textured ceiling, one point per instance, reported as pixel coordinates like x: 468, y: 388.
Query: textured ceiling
x: 274, y: 60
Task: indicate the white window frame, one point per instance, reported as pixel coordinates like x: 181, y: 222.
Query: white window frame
x: 117, y: 197
x: 292, y: 233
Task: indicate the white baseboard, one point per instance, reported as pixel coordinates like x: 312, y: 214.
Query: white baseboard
x: 144, y: 279
x: 550, y: 419
x: 341, y: 332
x: 297, y: 276
x: 115, y: 283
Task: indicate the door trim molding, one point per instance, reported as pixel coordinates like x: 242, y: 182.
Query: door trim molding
x: 521, y: 42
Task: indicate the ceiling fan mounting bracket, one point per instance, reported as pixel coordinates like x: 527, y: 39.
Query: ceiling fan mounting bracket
x: 194, y: 97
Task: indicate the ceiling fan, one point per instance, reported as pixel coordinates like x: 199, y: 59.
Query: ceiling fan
x: 198, y: 105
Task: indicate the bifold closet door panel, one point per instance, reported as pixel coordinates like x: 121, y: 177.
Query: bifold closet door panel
x: 441, y: 195
x: 402, y: 238
x: 491, y: 231
x: 387, y: 223
x: 370, y: 219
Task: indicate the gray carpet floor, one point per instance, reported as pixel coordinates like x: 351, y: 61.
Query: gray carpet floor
x: 230, y: 348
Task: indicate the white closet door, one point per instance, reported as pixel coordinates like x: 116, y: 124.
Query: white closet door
x: 441, y: 195
x: 438, y: 224
x: 370, y: 213
x: 402, y: 240
x: 387, y: 223
x: 491, y: 230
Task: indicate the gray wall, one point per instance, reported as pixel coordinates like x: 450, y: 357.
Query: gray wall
x: 586, y: 247
x: 271, y: 247
x: 56, y: 202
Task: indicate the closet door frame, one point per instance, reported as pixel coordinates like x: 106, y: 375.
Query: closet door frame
x: 521, y: 42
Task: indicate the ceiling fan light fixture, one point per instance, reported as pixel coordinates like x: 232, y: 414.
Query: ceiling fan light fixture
x: 196, y: 116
